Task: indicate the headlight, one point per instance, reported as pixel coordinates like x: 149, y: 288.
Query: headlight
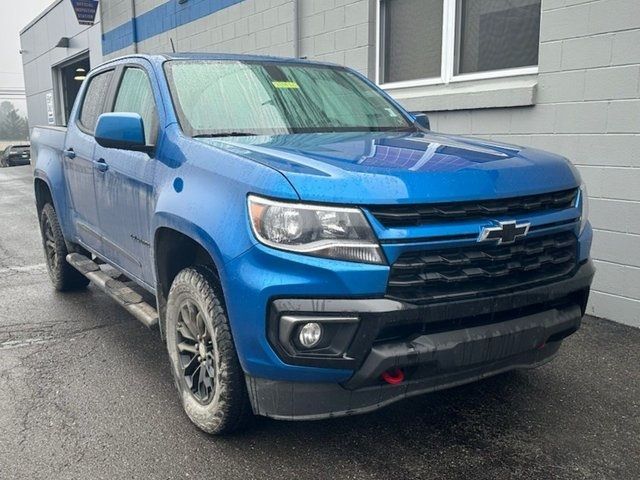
x: 332, y: 232
x: 584, y: 207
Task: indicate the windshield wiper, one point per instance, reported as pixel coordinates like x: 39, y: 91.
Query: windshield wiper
x: 225, y: 134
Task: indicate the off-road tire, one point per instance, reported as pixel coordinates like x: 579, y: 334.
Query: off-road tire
x: 228, y: 408
x: 63, y: 276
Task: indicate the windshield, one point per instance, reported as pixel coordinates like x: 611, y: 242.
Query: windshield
x: 218, y: 98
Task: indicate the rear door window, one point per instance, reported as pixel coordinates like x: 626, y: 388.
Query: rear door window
x: 136, y: 96
x: 93, y: 104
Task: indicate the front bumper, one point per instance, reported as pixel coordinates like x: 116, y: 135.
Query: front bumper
x: 458, y: 342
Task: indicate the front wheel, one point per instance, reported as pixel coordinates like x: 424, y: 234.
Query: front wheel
x: 204, y: 362
x: 63, y: 276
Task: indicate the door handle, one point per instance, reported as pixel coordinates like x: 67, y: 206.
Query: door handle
x: 69, y: 153
x: 102, y: 165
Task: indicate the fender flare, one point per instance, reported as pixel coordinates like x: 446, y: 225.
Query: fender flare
x: 192, y: 231
x: 55, y: 190
x: 189, y: 229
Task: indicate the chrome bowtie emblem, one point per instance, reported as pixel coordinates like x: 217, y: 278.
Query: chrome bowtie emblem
x: 504, y: 232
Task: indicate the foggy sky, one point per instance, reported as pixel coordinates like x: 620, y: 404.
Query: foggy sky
x: 14, y: 16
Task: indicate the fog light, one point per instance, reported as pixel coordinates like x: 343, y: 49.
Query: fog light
x: 310, y: 334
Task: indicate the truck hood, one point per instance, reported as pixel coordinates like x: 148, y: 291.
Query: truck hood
x: 397, y: 168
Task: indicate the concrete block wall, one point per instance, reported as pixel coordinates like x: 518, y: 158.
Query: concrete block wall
x: 116, y: 13
x: 339, y: 31
x: 117, y: 16
x: 251, y: 26
x: 263, y: 27
x: 587, y: 107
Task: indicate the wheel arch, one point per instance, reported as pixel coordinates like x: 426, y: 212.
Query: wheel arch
x: 175, y: 248
x: 43, y: 194
x: 49, y: 185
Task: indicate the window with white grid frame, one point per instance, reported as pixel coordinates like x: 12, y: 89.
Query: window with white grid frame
x: 424, y: 42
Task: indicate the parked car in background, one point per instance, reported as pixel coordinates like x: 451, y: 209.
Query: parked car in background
x: 15, y: 155
x: 314, y: 249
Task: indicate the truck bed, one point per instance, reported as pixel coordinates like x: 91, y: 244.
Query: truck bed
x: 45, y: 138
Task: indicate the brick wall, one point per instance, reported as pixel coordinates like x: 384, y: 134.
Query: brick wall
x: 587, y: 108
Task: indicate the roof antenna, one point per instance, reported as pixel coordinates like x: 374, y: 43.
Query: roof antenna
x: 173, y: 47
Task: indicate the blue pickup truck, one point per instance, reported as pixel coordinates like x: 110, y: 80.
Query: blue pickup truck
x: 308, y: 248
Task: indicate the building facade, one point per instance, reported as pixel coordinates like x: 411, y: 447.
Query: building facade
x: 561, y: 75
x: 57, y: 51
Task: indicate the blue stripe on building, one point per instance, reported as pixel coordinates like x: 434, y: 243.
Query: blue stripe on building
x: 164, y: 17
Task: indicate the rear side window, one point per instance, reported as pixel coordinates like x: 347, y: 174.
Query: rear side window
x: 94, y: 99
x: 136, y: 96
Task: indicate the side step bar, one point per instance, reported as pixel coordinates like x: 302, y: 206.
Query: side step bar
x: 124, y: 295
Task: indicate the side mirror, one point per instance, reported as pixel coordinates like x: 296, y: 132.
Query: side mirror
x: 124, y: 131
x: 422, y: 120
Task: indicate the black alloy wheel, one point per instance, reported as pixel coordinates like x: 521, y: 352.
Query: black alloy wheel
x: 63, y: 276
x: 195, y: 351
x: 49, y: 243
x: 204, y: 363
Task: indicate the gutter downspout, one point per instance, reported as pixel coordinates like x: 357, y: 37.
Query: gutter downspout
x: 296, y: 28
x: 134, y: 28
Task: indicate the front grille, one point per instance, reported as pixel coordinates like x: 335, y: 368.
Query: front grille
x: 481, y: 270
x: 413, y: 215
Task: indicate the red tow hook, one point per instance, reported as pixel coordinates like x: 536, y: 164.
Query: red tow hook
x: 393, y: 376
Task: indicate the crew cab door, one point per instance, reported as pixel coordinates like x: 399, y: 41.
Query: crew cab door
x: 78, y: 158
x: 124, y: 181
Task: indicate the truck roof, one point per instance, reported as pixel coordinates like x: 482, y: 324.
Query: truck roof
x: 216, y: 56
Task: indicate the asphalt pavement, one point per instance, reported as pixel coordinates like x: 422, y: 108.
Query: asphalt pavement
x: 86, y: 392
